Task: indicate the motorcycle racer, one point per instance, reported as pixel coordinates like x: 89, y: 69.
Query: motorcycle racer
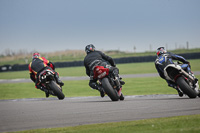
x: 98, y: 58
x: 164, y: 58
x: 37, y: 65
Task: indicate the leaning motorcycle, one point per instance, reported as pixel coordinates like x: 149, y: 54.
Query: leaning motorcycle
x: 110, y: 84
x: 185, y: 82
x: 47, y: 79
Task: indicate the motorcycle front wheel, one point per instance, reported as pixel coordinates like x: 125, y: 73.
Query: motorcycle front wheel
x: 186, y: 88
x: 56, y: 90
x: 112, y: 93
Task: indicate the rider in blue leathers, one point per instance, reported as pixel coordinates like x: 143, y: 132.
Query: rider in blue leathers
x: 163, y: 59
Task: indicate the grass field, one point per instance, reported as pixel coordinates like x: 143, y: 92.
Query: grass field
x: 178, y: 124
x: 133, y: 86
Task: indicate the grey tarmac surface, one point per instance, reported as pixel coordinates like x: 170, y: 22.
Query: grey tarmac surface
x: 26, y: 114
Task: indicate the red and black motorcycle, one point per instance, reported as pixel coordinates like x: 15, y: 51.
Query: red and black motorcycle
x: 47, y: 79
x: 110, y: 84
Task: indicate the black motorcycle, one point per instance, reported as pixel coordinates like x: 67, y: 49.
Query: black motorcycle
x: 47, y: 79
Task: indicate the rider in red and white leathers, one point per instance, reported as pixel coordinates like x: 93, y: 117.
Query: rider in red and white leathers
x: 37, y: 65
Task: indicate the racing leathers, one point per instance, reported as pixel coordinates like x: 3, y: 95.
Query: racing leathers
x: 38, y: 65
x: 98, y: 58
x: 167, y: 58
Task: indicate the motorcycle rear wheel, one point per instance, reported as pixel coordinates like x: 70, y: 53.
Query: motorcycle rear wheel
x: 56, y: 90
x: 112, y: 93
x: 186, y: 88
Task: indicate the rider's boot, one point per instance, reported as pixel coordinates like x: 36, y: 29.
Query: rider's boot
x: 197, y: 86
x: 199, y: 94
x: 192, y: 74
x: 58, y: 79
x: 195, y: 82
x: 121, y: 82
x: 116, y: 74
x: 47, y: 94
x: 180, y: 93
x: 96, y: 86
x: 102, y: 93
x: 43, y: 89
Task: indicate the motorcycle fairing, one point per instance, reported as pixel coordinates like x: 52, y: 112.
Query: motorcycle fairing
x: 100, y: 72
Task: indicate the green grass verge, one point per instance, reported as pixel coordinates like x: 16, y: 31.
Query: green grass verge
x: 178, y: 124
x: 130, y: 68
x: 133, y: 86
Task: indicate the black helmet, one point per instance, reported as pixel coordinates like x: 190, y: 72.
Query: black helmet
x: 160, y: 50
x: 89, y: 48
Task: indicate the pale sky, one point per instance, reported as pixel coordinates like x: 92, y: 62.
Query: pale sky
x: 54, y: 25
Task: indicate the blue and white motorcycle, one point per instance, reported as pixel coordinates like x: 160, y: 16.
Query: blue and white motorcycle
x: 186, y: 82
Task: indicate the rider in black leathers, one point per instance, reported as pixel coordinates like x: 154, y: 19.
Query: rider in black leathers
x: 163, y: 59
x: 97, y: 58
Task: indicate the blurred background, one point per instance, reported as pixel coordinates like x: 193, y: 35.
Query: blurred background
x: 58, y: 28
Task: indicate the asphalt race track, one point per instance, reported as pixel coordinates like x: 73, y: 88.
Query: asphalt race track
x: 25, y: 114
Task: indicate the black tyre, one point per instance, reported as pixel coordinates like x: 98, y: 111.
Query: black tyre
x: 109, y: 90
x: 186, y: 88
x: 56, y: 90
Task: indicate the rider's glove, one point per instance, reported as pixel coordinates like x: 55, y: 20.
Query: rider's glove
x: 187, y: 62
